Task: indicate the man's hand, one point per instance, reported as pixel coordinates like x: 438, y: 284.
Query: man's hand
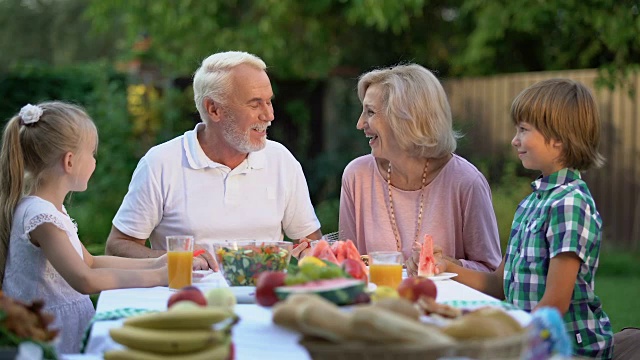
x: 301, y: 249
x: 204, y: 261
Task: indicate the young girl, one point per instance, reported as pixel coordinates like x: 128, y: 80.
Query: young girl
x: 554, y: 245
x: 47, y: 151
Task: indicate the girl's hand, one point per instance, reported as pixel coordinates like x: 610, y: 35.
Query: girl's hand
x: 413, y: 260
x: 160, y: 261
x: 163, y: 274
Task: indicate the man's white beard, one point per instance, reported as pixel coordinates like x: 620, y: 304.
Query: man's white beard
x: 238, y: 139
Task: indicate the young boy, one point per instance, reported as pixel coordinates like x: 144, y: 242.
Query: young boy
x: 554, y: 244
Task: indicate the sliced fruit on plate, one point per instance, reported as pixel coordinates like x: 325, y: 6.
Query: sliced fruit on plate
x: 338, y: 291
x: 311, y: 260
x: 322, y: 250
x: 355, y: 270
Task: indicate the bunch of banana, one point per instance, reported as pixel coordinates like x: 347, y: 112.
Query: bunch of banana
x: 181, y: 333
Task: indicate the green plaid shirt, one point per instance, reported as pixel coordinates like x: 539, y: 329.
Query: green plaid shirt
x: 559, y: 216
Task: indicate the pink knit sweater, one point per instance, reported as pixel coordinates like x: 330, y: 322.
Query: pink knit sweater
x: 457, y: 212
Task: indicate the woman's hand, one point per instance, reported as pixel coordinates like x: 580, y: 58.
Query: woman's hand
x: 440, y: 259
x: 413, y: 260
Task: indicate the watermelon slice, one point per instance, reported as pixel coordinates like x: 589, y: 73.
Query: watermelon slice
x: 427, y: 265
x: 353, y: 253
x: 322, y: 250
x: 339, y: 251
x: 339, y: 291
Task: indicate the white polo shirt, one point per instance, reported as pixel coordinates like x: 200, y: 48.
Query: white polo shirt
x: 176, y: 189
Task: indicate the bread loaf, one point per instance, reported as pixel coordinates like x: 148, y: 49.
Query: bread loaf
x: 483, y: 324
x: 375, y: 324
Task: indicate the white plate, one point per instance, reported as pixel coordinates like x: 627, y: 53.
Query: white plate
x: 443, y: 276
x: 199, y: 274
x: 244, y: 294
x: 208, y: 277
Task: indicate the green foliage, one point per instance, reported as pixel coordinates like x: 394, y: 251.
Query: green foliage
x: 313, y: 39
x: 474, y: 37
x: 32, y: 83
x: 327, y: 212
x: 531, y: 35
x: 297, y: 39
x: 51, y: 32
x: 506, y: 195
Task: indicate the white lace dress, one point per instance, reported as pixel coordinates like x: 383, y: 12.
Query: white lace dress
x: 30, y: 276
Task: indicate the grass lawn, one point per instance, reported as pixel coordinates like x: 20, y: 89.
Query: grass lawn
x: 620, y: 299
x: 618, y: 286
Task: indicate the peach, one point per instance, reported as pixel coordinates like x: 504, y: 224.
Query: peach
x: 413, y: 288
x: 190, y: 293
x: 265, y: 287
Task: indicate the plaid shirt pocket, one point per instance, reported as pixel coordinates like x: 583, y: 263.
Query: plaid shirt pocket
x: 534, y: 242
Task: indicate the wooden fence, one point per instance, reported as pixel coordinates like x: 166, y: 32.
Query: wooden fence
x: 482, y: 105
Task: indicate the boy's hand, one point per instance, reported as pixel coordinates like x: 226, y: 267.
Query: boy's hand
x: 441, y: 261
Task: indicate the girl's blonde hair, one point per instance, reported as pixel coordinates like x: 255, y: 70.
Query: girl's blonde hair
x: 417, y: 109
x: 28, y: 150
x: 563, y: 110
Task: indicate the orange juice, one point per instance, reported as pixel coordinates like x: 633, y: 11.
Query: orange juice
x: 385, y: 274
x: 180, y: 266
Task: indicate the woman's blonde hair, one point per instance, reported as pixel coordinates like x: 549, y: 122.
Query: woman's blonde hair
x: 213, y: 78
x: 563, y: 110
x: 417, y: 108
x: 28, y: 150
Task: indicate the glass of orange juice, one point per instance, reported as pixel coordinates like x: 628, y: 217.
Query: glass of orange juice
x: 179, y: 260
x: 385, y: 268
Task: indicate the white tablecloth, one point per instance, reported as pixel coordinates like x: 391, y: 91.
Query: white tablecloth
x: 255, y: 336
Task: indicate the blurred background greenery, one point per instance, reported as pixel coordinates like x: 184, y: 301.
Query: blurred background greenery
x: 130, y: 62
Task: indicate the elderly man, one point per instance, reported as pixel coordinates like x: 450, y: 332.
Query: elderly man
x: 222, y: 180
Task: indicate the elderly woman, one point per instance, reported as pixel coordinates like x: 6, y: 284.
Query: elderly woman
x: 412, y: 183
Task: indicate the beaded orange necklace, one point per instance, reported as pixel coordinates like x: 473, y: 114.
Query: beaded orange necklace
x: 392, y: 215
